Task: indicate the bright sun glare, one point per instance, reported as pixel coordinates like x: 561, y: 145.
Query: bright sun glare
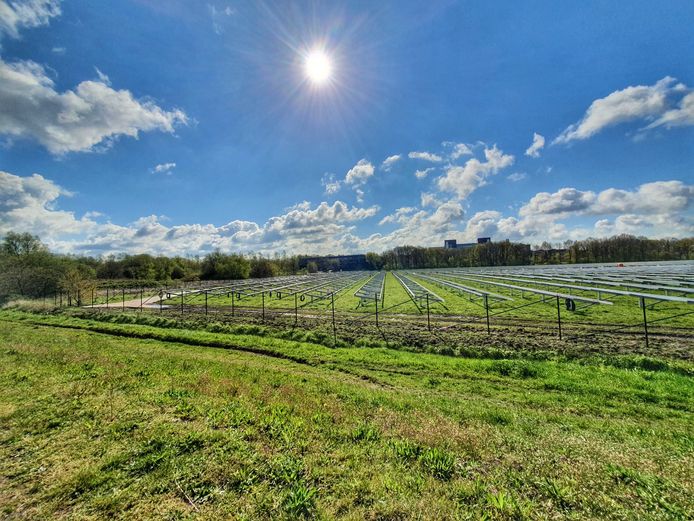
x: 318, y: 67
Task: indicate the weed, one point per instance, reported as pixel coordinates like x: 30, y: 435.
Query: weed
x: 438, y: 462
x: 300, y: 501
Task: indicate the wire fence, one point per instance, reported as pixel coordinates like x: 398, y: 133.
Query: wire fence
x: 393, y: 324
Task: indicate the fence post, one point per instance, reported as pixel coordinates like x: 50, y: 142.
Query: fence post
x: 486, y: 308
x: 106, y: 297
x: 376, y: 301
x: 645, y: 322
x: 205, y: 302
x: 428, y: 315
x: 332, y: 298
x: 92, y: 297
x: 161, y: 301
x: 232, y: 303
x: 296, y: 309
x: 262, y: 293
x: 182, y: 301
x: 142, y: 293
x: 559, y: 316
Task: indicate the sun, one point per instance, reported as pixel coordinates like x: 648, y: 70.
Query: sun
x: 318, y: 67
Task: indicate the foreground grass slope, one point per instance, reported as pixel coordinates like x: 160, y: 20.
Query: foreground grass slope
x: 102, y: 423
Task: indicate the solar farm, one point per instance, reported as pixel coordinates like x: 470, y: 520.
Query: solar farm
x: 639, y: 300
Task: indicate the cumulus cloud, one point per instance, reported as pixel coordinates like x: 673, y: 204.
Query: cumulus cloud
x: 565, y: 200
x: 659, y: 197
x: 18, y: 14
x: 399, y: 216
x: 79, y: 120
x: 359, y: 173
x: 534, y: 149
x: 463, y: 180
x: 390, y: 161
x: 330, y: 185
x: 682, y: 115
x: 31, y: 204
x: 421, y: 174
x: 460, y: 150
x: 429, y: 199
x: 643, y: 102
x: 163, y: 168
x: 425, y: 156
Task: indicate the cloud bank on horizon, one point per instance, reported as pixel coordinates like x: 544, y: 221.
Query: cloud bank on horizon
x: 61, y: 129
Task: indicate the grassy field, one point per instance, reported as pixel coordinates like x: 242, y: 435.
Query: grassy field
x: 138, y: 421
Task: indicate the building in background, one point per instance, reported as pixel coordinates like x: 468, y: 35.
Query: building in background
x: 452, y: 244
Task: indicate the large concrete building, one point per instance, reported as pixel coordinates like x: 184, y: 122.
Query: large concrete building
x: 452, y: 244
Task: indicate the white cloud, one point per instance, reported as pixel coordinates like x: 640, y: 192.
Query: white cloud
x: 79, y: 120
x: 517, y: 176
x: 30, y: 204
x: 482, y: 224
x: 390, y: 161
x: 359, y: 173
x: 399, y: 216
x: 565, y: 200
x: 463, y: 180
x: 642, y: 102
x: 534, y: 149
x: 58, y: 50
x: 425, y: 156
x: 655, y: 209
x: 421, y: 174
x: 681, y: 116
x: 18, y: 14
x: 330, y: 185
x: 659, y: 197
x: 163, y: 168
x: 429, y: 199
x: 459, y: 150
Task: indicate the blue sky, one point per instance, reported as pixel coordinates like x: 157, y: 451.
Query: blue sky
x: 182, y: 127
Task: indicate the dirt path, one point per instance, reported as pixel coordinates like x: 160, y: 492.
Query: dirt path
x: 149, y: 302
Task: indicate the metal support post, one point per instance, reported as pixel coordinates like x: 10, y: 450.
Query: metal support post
x: 106, y: 298
x: 486, y: 308
x: 428, y: 315
x: 559, y: 316
x: 645, y: 322
x: 332, y: 298
x: 123, y: 297
x: 376, y: 301
x: 263, y: 299
x: 296, y: 309
x: 205, y: 302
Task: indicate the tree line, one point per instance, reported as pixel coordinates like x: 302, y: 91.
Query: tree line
x: 29, y: 269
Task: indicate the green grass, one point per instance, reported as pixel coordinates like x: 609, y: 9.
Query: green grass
x: 134, y: 421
